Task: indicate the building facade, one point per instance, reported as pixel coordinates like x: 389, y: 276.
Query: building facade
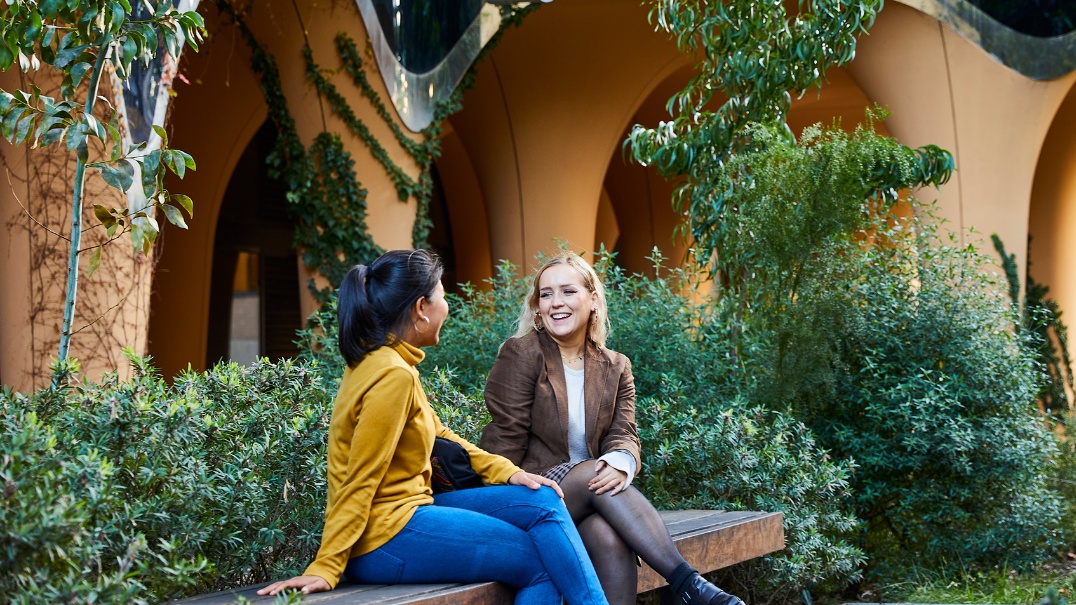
x: 534, y: 157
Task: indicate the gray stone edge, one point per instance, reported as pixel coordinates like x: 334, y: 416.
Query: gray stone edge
x: 1034, y: 57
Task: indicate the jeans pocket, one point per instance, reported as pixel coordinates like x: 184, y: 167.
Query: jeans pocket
x: 375, y: 567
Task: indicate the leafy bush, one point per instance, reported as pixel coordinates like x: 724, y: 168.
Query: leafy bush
x: 137, y: 491
x: 932, y: 392
x: 671, y: 329
x: 729, y: 455
x: 479, y: 320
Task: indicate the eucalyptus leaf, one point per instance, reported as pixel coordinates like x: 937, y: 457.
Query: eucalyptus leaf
x: 95, y: 261
x: 119, y: 174
x: 104, y: 215
x: 174, y: 216
x: 185, y: 202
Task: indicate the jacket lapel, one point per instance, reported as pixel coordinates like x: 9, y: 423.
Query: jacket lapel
x: 595, y: 385
x: 554, y: 369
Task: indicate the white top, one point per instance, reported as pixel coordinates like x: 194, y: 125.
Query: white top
x: 621, y: 460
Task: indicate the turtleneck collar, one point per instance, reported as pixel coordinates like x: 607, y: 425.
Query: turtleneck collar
x: 412, y: 355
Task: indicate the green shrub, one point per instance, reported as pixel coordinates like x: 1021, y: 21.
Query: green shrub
x: 728, y: 455
x: 932, y: 392
x: 479, y: 320
x: 671, y: 330
x: 138, y: 491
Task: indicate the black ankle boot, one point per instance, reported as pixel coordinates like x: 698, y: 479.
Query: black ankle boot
x: 697, y: 590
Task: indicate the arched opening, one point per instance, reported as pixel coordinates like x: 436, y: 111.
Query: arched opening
x: 440, y: 238
x: 254, y: 300
x: 639, y: 216
x: 460, y: 226
x: 1052, y: 215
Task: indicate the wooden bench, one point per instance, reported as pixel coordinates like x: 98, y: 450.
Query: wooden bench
x: 708, y: 539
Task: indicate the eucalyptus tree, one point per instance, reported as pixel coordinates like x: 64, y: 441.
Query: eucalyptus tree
x: 80, y: 41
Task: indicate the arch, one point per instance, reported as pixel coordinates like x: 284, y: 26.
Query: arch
x: 1052, y: 215
x: 465, y: 223
x: 214, y: 119
x: 254, y: 298
x: 544, y: 117
x: 641, y: 199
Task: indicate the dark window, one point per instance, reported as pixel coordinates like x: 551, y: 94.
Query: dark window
x: 421, y: 32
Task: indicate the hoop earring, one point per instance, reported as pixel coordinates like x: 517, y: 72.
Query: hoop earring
x: 594, y: 317
x: 423, y: 330
x: 538, y: 325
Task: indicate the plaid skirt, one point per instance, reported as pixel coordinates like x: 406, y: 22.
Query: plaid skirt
x: 558, y: 472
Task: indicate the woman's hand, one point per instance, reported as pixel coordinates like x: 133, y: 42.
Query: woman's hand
x: 305, y: 584
x: 534, y: 481
x: 608, y: 478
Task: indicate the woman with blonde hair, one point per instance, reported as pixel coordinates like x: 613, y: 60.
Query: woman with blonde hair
x: 563, y: 407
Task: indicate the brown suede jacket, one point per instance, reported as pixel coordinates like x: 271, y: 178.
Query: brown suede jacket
x: 527, y: 397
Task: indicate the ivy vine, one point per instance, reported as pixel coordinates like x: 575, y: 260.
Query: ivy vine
x: 325, y: 196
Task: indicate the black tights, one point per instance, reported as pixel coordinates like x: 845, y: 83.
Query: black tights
x: 613, y: 529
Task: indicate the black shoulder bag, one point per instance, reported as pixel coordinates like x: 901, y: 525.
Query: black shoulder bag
x: 452, y: 469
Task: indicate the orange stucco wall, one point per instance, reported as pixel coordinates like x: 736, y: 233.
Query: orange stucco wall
x: 535, y: 156
x: 945, y: 90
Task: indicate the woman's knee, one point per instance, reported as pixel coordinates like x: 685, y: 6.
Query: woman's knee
x: 543, y: 497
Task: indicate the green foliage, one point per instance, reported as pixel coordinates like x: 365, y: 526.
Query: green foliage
x: 756, y: 54
x: 137, y: 491
x: 723, y: 454
x: 1041, y: 316
x: 76, y: 39
x: 480, y: 319
x: 672, y: 329
x: 924, y: 383
x: 772, y: 206
x: 464, y: 413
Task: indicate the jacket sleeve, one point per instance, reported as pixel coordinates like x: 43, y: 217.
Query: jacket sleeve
x: 378, y: 428
x: 494, y: 469
x: 509, y: 397
x: 623, y: 433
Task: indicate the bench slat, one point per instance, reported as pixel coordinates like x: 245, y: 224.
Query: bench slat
x: 719, y: 540
x: 708, y: 539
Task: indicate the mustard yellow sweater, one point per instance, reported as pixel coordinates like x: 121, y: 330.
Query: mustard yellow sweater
x: 380, y: 439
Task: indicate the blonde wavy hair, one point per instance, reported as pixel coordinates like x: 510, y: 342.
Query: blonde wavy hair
x: 598, y: 329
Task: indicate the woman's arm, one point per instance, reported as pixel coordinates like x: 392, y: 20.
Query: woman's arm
x: 509, y: 396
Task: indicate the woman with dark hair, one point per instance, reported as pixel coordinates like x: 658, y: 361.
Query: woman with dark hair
x: 563, y: 406
x: 383, y: 525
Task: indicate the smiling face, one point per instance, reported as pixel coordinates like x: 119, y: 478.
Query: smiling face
x: 565, y: 304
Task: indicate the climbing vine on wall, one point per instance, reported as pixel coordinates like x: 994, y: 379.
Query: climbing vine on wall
x: 325, y: 195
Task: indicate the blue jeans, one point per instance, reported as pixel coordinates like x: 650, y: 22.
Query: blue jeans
x: 510, y: 533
